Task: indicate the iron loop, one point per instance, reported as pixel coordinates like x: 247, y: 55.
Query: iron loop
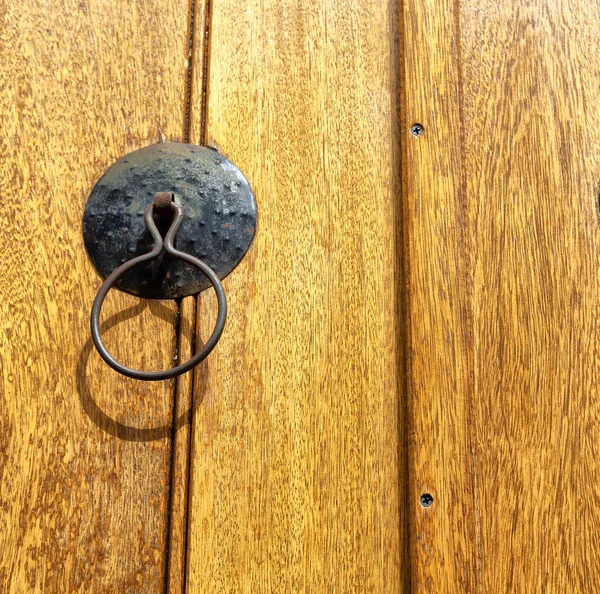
x: 168, y: 246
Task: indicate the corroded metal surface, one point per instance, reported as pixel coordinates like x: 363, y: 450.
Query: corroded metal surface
x: 218, y: 227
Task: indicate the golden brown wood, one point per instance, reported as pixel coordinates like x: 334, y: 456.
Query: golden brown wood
x: 503, y: 240
x: 298, y: 464
x: 84, y: 452
x: 439, y: 319
x: 537, y: 289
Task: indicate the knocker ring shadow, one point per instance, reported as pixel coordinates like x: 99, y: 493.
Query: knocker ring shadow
x: 112, y: 426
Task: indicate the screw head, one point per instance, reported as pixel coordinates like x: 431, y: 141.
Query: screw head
x: 426, y: 500
x: 417, y: 130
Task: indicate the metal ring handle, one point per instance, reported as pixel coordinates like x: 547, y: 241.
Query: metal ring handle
x: 158, y: 248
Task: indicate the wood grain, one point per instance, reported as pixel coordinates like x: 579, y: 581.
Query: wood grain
x: 503, y: 256
x: 84, y: 452
x: 298, y: 460
x: 533, y: 162
x: 439, y: 317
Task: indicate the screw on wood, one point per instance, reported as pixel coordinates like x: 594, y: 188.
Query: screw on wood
x: 426, y: 500
x: 417, y: 130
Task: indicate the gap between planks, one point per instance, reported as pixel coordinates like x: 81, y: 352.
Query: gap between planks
x: 183, y: 388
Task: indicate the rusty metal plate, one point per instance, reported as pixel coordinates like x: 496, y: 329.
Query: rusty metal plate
x: 218, y: 227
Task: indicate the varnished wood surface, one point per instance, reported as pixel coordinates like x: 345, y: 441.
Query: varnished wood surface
x: 438, y: 304
x: 84, y: 452
x: 533, y: 157
x: 298, y: 471
x: 503, y: 236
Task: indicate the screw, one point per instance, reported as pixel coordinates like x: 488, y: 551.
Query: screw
x: 426, y: 500
x: 417, y: 130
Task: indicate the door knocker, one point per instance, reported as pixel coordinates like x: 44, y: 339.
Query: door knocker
x: 147, y: 202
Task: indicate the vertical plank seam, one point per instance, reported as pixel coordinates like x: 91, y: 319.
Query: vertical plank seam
x: 406, y: 266
x: 172, y: 454
x: 202, y: 140
x: 205, y: 71
x: 178, y: 330
x: 188, y: 478
x: 190, y: 71
x: 469, y: 266
x: 402, y: 300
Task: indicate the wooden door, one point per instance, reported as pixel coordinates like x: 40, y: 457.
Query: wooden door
x: 404, y: 396
x: 278, y: 466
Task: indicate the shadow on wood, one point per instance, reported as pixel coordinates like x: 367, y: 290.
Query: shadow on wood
x: 112, y: 426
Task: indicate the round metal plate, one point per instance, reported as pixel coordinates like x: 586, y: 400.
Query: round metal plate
x: 218, y: 227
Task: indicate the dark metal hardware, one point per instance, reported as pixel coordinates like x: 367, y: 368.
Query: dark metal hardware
x: 218, y: 225
x: 199, y: 197
x: 162, y: 201
x: 426, y: 500
x: 417, y: 130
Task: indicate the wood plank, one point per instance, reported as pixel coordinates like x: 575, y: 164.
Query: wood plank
x: 508, y: 93
x: 298, y: 465
x: 84, y: 452
x: 439, y: 313
x: 531, y: 80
